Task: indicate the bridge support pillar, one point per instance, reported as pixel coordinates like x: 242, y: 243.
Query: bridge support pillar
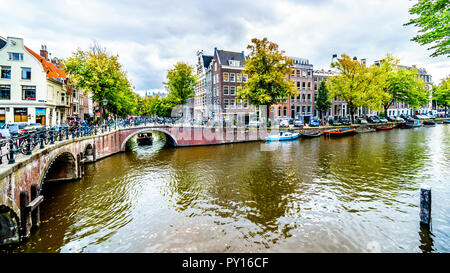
x: 36, y: 212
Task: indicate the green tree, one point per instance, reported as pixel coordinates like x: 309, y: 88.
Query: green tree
x: 357, y: 84
x: 100, y: 73
x: 441, y: 94
x: 434, y: 23
x: 323, y: 102
x: 180, y: 83
x: 266, y: 68
x: 402, y: 84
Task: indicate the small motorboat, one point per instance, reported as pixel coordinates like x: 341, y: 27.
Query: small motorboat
x: 282, y: 136
x: 411, y: 124
x: 387, y: 127
x: 447, y: 121
x: 429, y: 123
x: 310, y: 134
x: 145, y: 139
x: 340, y: 132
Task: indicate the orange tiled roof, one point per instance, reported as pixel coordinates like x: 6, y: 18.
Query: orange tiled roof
x: 50, y: 69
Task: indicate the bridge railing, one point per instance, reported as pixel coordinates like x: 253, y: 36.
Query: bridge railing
x: 23, y: 143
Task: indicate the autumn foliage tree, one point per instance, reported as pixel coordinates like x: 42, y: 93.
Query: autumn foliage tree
x: 266, y: 67
x: 357, y: 84
x: 101, y: 74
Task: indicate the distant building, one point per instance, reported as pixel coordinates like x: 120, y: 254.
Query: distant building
x: 226, y: 73
x: 155, y: 93
x: 203, y: 90
x: 338, y: 107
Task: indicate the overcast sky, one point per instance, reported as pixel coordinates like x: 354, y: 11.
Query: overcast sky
x: 151, y: 36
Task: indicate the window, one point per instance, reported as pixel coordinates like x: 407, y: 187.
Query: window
x: 232, y: 78
x: 232, y: 104
x: 315, y: 87
x: 238, y: 77
x: 232, y: 90
x: 309, y: 85
x: 245, y: 104
x: 26, y: 73
x: 245, y: 77
x: 279, y: 111
x: 234, y: 63
x: 20, y: 114
x: 298, y: 85
x: 226, y: 89
x: 309, y: 109
x: 309, y: 97
x: 225, y: 77
x: 28, y: 92
x: 285, y: 111
x: 15, y: 56
x: 303, y: 85
x: 225, y: 103
x: 303, y: 97
x: 6, y: 72
x: 5, y: 92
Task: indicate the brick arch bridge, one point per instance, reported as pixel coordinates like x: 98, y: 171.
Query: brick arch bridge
x: 20, y: 183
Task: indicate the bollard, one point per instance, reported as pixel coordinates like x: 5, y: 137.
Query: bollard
x: 24, y: 214
x: 35, y: 214
x: 425, y: 205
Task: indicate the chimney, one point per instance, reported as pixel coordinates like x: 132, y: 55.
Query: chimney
x: 44, y: 52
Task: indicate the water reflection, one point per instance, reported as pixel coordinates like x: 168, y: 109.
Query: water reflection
x: 318, y: 195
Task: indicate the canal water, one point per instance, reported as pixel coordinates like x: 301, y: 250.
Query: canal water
x: 353, y: 194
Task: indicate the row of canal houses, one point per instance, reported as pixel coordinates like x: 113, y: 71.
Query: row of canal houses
x: 34, y: 88
x: 221, y: 73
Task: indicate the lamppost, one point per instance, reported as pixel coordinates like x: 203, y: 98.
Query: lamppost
x: 105, y: 102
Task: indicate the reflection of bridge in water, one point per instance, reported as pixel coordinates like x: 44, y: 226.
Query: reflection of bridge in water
x: 21, y: 181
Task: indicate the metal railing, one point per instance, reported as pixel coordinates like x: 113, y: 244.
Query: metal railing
x: 25, y: 143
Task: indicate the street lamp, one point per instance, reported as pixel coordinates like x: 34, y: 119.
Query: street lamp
x: 105, y: 102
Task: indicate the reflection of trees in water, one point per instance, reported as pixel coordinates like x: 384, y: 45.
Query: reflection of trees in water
x: 378, y: 165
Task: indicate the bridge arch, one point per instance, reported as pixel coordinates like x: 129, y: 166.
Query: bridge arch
x: 63, y: 166
x: 9, y: 225
x: 170, y: 138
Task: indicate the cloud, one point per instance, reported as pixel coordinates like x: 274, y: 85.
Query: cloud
x: 151, y: 36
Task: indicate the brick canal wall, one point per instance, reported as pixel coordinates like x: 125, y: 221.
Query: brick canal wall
x: 64, y: 161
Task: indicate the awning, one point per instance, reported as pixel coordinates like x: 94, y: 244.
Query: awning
x: 40, y: 111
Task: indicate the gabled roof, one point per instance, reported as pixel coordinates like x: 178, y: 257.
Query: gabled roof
x: 225, y: 56
x: 50, y: 69
x: 207, y: 60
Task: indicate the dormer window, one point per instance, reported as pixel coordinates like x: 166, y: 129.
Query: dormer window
x: 234, y: 63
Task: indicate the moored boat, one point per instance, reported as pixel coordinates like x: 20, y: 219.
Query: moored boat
x: 387, y: 127
x: 447, y: 121
x: 310, y: 134
x: 282, y: 136
x: 411, y: 124
x: 145, y: 139
x: 340, y: 132
x: 429, y: 123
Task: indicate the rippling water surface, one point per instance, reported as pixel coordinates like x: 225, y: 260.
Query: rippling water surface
x: 353, y: 194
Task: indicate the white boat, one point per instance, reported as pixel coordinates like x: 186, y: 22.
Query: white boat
x: 282, y: 136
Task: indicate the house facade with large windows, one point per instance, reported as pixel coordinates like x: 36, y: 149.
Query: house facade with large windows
x: 227, y: 75
x: 23, y: 84
x: 33, y: 89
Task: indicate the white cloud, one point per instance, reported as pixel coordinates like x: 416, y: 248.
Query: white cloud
x: 151, y: 36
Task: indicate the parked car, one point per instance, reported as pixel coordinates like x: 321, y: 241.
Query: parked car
x: 314, y: 122
x: 15, y: 128
x: 431, y: 116
x: 33, y: 127
x: 391, y: 118
x: 345, y: 120
x: 373, y: 119
x: 298, y: 122
x: 254, y: 123
x: 284, y: 123
x: 334, y: 122
x: 383, y: 119
x: 361, y: 121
